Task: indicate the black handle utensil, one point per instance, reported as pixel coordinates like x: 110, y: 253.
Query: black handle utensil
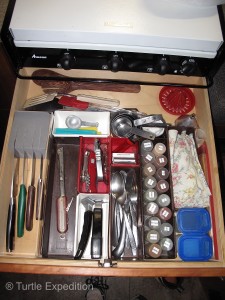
x: 96, y: 239
x: 88, y: 215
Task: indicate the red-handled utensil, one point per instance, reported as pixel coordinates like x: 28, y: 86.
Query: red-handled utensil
x: 73, y: 102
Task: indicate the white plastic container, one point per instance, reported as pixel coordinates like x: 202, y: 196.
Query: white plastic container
x: 103, y: 119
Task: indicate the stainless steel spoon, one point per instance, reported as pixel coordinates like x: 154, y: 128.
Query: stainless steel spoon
x: 117, y: 190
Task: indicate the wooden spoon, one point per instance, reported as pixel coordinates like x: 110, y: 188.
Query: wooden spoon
x: 51, y: 86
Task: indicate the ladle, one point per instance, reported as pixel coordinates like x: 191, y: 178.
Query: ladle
x: 74, y: 122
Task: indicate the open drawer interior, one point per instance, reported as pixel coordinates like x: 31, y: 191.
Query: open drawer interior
x: 29, y: 247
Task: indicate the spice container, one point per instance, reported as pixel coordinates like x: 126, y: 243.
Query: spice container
x: 163, y: 200
x: 150, y: 195
x: 153, y: 222
x: 151, y: 209
x: 166, y: 229
x: 149, y: 182
x: 146, y: 146
x: 149, y: 169
x: 148, y: 157
x: 160, y: 161
x: 161, y: 174
x: 152, y: 236
x: 159, y: 149
x: 153, y: 250
x: 158, y: 232
x: 165, y: 213
x: 166, y: 244
x: 162, y: 186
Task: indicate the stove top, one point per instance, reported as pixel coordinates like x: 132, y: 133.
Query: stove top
x: 121, y: 35
x: 119, y: 25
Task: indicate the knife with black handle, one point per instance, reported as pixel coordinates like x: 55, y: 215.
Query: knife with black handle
x: 11, y: 219
x: 10, y: 232
x: 88, y: 215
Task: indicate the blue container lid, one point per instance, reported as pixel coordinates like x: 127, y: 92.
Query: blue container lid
x: 195, y: 248
x: 193, y: 220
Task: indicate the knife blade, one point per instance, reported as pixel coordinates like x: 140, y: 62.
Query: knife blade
x: 31, y: 197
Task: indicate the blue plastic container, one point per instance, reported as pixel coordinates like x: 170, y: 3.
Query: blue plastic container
x: 195, y: 247
x: 193, y: 221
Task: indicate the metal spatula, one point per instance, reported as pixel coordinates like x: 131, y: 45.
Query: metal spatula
x: 69, y: 98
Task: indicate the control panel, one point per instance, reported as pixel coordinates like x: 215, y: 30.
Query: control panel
x: 115, y: 61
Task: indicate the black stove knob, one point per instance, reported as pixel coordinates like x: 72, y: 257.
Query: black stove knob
x: 115, y: 63
x: 163, y: 65
x: 188, y: 66
x: 67, y: 61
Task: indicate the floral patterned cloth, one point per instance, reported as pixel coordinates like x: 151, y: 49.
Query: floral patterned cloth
x: 190, y: 188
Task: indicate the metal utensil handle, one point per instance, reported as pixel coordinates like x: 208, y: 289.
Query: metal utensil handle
x: 92, y: 124
x: 130, y: 235
x: 118, y: 251
x: 61, y: 172
x: 98, y: 160
x: 147, y: 120
x: 142, y: 133
x: 85, y: 166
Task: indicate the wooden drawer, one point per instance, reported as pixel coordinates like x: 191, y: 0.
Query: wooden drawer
x: 147, y: 101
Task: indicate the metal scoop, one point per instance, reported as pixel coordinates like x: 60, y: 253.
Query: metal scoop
x: 74, y: 122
